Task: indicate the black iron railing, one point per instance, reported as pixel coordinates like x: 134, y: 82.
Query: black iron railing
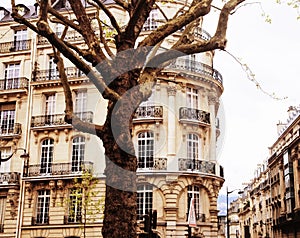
x: 53, y: 74
x: 9, y: 178
x: 196, y: 165
x: 148, y: 112
x: 153, y: 164
x: 13, y: 46
x: 40, y: 220
x: 13, y: 83
x: 72, y: 219
x: 58, y: 169
x: 186, y: 64
x: 58, y: 119
x: 191, y: 114
x: 14, y: 129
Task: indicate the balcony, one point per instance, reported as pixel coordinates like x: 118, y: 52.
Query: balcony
x: 13, y: 83
x: 153, y: 164
x: 58, y: 119
x: 187, y: 115
x: 40, y: 220
x: 58, y: 169
x: 201, y: 166
x: 185, y: 64
x: 10, y: 130
x: 52, y: 74
x: 148, y: 113
x: 14, y: 46
x: 9, y: 178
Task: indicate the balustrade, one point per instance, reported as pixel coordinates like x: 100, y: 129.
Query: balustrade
x: 9, y: 178
x: 148, y: 112
x: 13, y: 83
x: 13, y: 46
x: 191, y: 114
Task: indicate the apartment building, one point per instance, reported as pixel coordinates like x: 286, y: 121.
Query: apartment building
x: 270, y: 204
x: 175, y: 135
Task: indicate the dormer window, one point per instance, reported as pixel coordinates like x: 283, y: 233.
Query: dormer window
x: 3, y: 13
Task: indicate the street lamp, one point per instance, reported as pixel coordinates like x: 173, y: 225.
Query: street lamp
x: 24, y: 156
x: 227, y: 217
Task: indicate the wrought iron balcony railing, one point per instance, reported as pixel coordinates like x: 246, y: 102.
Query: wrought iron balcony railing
x: 55, y: 169
x: 153, y: 164
x: 186, y: 64
x: 13, y: 46
x: 8, y: 178
x: 58, y: 119
x: 196, y: 165
x: 148, y: 112
x: 13, y: 83
x: 40, y: 220
x: 191, y: 114
x: 53, y: 74
x: 9, y: 130
x: 72, y: 219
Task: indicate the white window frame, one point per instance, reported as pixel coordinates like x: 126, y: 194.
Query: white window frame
x: 192, y: 98
x: 75, y: 205
x: 2, y: 212
x: 193, y: 146
x: 7, y: 121
x: 194, y: 192
x: 20, y: 39
x: 53, y: 73
x: 144, y: 200
x: 151, y: 22
x: 80, y: 103
x: 12, y: 76
x: 42, y: 209
x: 145, y: 149
x: 78, y: 149
x: 47, y: 148
x: 5, y: 153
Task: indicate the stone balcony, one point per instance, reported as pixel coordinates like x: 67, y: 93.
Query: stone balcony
x: 9, y: 178
x: 15, y: 46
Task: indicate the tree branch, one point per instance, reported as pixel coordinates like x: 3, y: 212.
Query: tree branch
x: 70, y: 117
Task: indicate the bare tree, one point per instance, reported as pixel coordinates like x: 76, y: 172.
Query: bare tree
x: 123, y: 79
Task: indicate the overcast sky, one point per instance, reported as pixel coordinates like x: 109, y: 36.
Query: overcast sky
x: 272, y: 52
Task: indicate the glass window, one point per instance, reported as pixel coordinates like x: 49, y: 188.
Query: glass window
x: 144, y: 200
x: 12, y: 76
x: 194, y: 192
x: 43, y: 203
x: 192, y: 98
x: 53, y: 73
x: 80, y: 104
x: 47, y: 155
x: 5, y: 153
x: 145, y: 149
x: 20, y: 39
x: 75, y: 205
x: 7, y: 121
x: 50, y: 104
x: 193, y: 146
x: 151, y: 22
x: 78, y: 148
x: 2, y: 213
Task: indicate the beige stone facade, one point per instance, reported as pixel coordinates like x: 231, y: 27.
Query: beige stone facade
x: 175, y: 133
x: 270, y: 204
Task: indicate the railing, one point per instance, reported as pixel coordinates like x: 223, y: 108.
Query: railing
x: 15, y: 129
x: 154, y: 164
x: 143, y: 112
x: 40, y: 220
x: 196, y: 67
x: 53, y: 74
x: 59, y: 119
x: 72, y: 219
x: 9, y: 178
x: 201, y: 166
x: 58, y: 169
x: 13, y: 83
x: 13, y: 46
x: 191, y: 114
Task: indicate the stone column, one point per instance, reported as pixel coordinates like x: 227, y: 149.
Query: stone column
x: 212, y: 101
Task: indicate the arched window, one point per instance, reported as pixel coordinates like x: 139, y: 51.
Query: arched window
x: 194, y: 192
x: 144, y: 200
x: 145, y: 149
x: 78, y: 148
x: 47, y: 155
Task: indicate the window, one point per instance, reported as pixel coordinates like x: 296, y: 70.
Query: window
x: 47, y: 155
x: 194, y: 192
x: 7, y: 119
x: 193, y: 147
x: 20, y: 39
x: 2, y: 213
x: 151, y: 22
x: 5, y: 166
x: 12, y: 76
x: 50, y: 103
x: 53, y: 73
x: 190, y: 62
x: 43, y: 202
x: 75, y: 205
x: 144, y: 200
x: 78, y: 147
x: 80, y: 103
x: 192, y: 98
x: 145, y: 149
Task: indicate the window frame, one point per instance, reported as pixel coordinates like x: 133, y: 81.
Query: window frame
x: 78, y: 151
x: 43, y: 206
x: 146, y: 148
x: 144, y: 200
x: 46, y: 157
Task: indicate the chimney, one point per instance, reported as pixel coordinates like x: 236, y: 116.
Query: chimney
x: 280, y: 127
x: 292, y: 111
